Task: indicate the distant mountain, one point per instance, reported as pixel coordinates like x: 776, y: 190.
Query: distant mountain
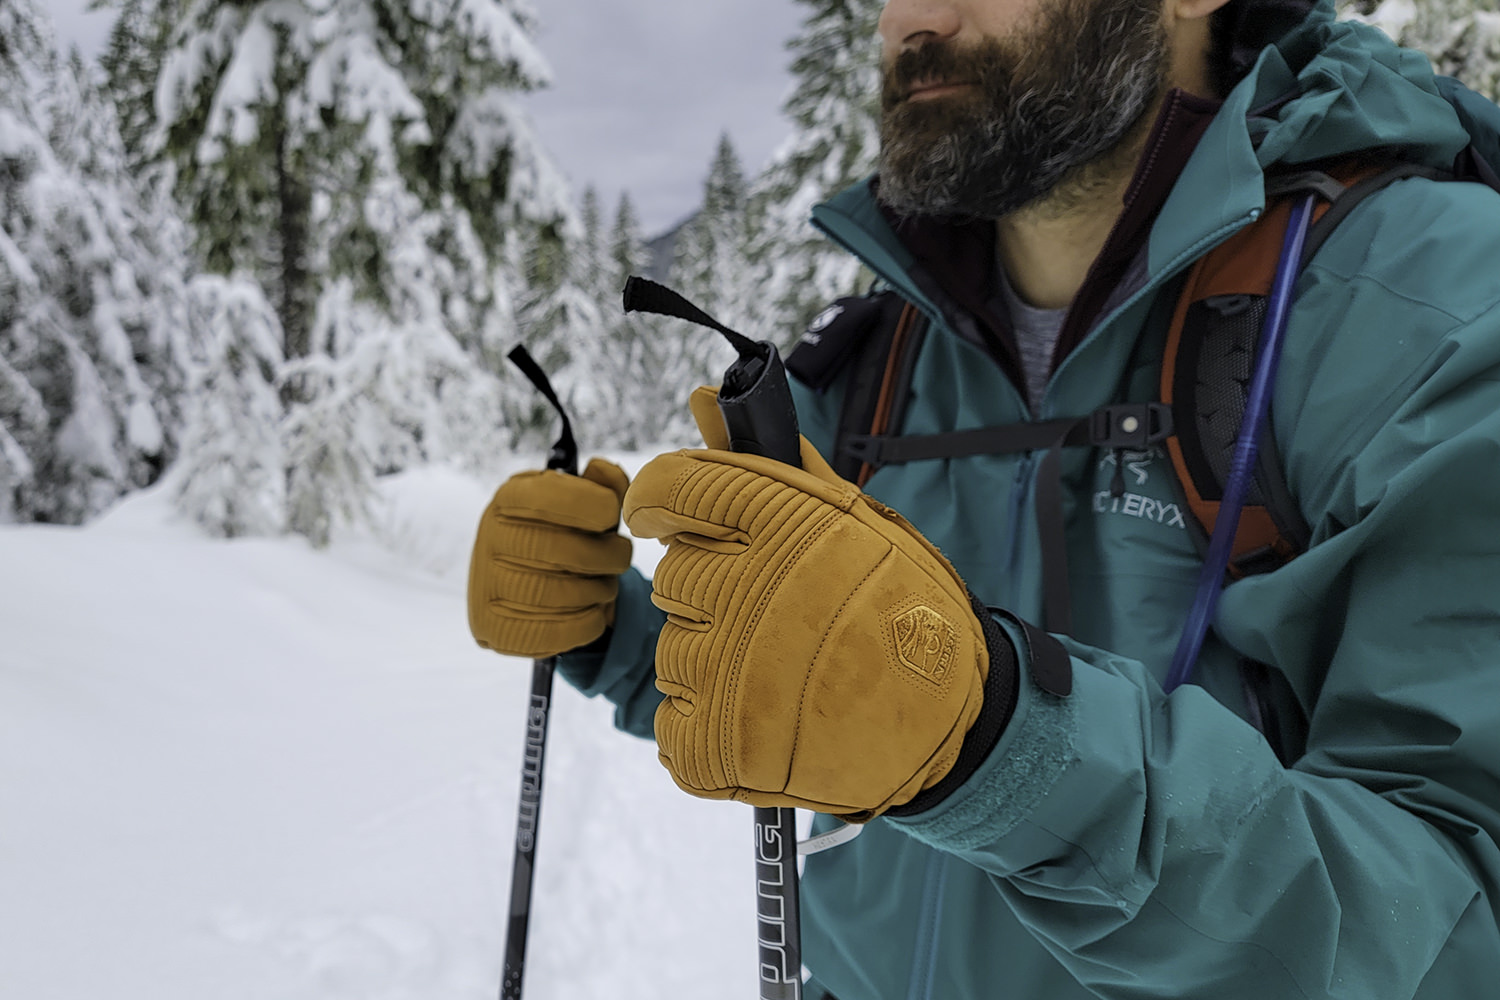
x: 662, y: 248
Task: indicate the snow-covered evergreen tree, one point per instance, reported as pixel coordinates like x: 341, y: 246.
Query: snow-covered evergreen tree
x: 284, y: 117
x: 632, y: 351
x: 92, y: 331
x: 834, y: 107
x: 562, y: 319
x: 628, y: 254
x: 711, y: 268
x: 132, y: 60
x: 367, y: 163
x: 709, y: 257
x: 230, y: 478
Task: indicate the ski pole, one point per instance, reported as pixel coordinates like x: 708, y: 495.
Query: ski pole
x: 563, y: 457
x: 757, y: 406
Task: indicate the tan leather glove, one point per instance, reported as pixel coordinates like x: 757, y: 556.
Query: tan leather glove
x: 819, y: 652
x: 547, y: 561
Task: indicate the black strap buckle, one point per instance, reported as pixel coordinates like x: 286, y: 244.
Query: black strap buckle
x: 1132, y: 426
x: 867, y: 448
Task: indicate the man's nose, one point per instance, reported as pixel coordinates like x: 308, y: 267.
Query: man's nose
x: 910, y: 24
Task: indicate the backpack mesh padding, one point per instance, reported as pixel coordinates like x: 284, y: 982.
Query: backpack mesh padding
x: 1220, y: 365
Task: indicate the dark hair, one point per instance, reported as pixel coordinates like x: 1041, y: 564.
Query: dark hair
x: 1240, y: 29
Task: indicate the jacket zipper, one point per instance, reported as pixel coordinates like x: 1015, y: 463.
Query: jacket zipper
x: 1020, y: 502
x: 924, y: 956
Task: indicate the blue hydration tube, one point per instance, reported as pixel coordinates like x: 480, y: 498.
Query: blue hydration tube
x: 1242, y: 464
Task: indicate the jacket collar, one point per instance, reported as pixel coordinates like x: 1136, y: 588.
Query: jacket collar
x: 947, y: 265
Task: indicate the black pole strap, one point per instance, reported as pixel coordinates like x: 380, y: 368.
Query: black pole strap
x: 645, y: 295
x: 564, y: 454
x: 755, y: 399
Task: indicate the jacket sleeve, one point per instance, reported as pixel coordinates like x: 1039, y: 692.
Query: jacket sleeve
x: 1155, y: 845
x: 624, y: 670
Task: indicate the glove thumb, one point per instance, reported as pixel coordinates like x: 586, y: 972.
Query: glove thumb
x: 704, y: 403
x: 609, y: 475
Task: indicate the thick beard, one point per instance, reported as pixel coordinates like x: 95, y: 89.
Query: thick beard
x: 1048, y: 104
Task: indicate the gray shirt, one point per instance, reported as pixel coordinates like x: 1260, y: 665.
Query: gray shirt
x: 1036, y: 331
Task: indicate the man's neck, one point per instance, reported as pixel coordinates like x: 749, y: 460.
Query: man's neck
x: 1047, y: 247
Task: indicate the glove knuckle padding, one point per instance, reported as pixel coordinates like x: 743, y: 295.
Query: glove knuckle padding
x: 521, y: 590
x: 840, y: 666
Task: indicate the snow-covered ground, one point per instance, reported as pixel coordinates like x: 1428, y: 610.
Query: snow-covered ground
x: 248, y: 770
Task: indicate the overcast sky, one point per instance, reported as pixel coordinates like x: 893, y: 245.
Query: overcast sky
x: 642, y: 89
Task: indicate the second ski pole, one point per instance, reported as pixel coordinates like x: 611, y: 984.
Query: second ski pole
x: 563, y: 457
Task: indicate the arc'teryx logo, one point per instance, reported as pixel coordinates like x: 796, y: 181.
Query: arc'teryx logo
x: 1131, y: 504
x: 925, y: 641
x: 1138, y: 462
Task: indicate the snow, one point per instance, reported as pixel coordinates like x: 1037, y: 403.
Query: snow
x: 501, y: 29
x: 249, y: 770
x: 142, y: 429
x: 1392, y: 17
x: 349, y: 73
x: 13, y: 258
x: 246, y: 83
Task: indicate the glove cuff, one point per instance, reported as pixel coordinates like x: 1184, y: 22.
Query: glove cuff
x: 1001, y: 691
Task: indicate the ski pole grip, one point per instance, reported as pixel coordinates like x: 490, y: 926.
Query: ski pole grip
x: 756, y: 402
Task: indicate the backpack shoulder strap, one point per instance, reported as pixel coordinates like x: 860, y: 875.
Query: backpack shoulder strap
x: 875, y: 339
x: 1211, y: 350
x: 878, y: 405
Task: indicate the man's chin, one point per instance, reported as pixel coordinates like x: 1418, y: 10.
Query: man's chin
x: 927, y: 189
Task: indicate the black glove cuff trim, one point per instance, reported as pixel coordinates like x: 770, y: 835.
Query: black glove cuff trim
x: 1001, y: 690
x: 1051, y: 666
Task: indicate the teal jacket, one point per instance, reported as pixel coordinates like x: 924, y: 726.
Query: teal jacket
x: 1123, y: 843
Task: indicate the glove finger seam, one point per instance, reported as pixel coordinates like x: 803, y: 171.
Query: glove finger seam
x: 555, y: 518
x: 560, y: 566
x: 519, y: 611
x: 678, y: 692
x: 546, y: 616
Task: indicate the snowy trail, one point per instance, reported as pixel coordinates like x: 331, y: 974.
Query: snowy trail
x: 250, y: 771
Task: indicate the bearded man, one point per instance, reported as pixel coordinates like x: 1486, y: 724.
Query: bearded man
x: 1040, y: 817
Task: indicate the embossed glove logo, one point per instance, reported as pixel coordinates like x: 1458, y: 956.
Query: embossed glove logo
x: 925, y: 641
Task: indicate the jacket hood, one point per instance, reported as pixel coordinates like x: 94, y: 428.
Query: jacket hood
x: 1339, y: 87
